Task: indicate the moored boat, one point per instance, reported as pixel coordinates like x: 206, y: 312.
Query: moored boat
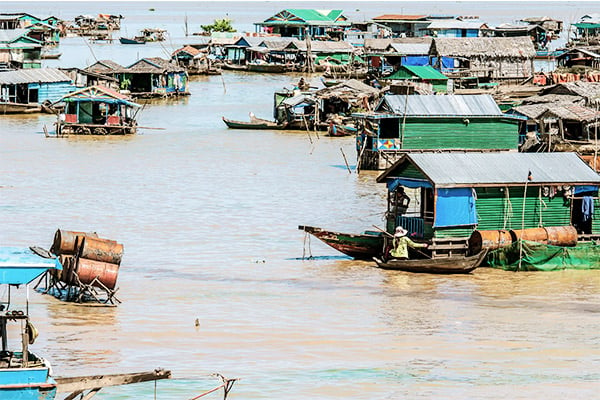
x: 442, y: 265
x: 362, y: 246
x: 254, y: 123
x: 125, y: 40
x: 23, y: 375
x: 266, y: 67
x: 8, y: 107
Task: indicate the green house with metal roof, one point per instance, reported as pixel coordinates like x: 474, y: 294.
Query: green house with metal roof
x: 453, y: 194
x: 421, y: 73
x: 408, y: 123
x: 296, y: 22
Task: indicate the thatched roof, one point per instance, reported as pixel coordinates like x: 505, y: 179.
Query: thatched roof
x: 553, y: 98
x: 153, y: 65
x: 573, y: 112
x: 484, y: 47
x: 382, y: 45
x: 590, y: 91
x: 348, y: 89
x: 319, y: 46
x: 104, y: 67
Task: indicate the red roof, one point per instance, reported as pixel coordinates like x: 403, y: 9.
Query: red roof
x: 188, y: 49
x: 401, y: 17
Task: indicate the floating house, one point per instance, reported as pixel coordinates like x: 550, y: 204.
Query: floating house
x: 484, y: 57
x: 97, y: 110
x: 403, y: 25
x: 579, y: 56
x: 195, y: 61
x: 296, y: 23
x: 406, y: 123
x: 18, y: 50
x: 25, y: 90
x: 460, y: 192
x: 425, y: 74
x: 455, y: 28
x: 155, y: 77
x: 587, y: 30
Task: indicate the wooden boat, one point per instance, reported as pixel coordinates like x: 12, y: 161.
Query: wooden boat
x: 8, y: 107
x: 234, y: 67
x: 447, y: 265
x: 363, y: 246
x: 270, y: 68
x: 341, y: 130
x: 50, y: 56
x: 254, y: 123
x: 125, y: 40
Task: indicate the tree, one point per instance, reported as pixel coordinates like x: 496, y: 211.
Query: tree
x: 219, y: 25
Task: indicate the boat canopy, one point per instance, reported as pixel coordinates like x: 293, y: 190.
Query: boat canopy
x: 19, y: 265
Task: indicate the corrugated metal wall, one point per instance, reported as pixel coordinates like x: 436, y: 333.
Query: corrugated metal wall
x: 495, y: 210
x: 53, y: 91
x: 460, y: 133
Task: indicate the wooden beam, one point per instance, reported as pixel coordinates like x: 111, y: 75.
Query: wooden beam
x: 81, y: 383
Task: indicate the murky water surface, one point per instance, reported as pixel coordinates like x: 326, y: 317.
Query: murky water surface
x: 208, y: 217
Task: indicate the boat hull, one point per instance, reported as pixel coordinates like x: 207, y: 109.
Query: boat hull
x: 363, y: 246
x: 449, y: 265
x: 254, y: 123
x: 18, y: 108
x: 124, y: 40
x: 26, y: 384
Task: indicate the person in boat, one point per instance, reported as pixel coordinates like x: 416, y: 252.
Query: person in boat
x: 401, y: 244
x: 400, y: 201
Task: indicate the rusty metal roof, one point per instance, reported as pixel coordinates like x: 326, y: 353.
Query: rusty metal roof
x: 466, y: 169
x: 33, y: 75
x: 436, y: 105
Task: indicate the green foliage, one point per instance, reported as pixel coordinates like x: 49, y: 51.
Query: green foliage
x: 219, y: 25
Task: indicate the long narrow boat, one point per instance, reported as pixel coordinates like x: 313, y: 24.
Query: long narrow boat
x: 254, y: 123
x: 270, y: 68
x: 363, y: 246
x: 8, y: 107
x: 447, y: 265
x: 125, y: 40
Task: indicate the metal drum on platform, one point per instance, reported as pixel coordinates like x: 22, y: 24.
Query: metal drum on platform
x: 553, y: 235
x: 64, y: 241
x: 98, y: 249
x: 89, y: 270
x: 491, y: 240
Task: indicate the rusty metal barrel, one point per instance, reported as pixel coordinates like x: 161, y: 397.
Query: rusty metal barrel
x: 553, y: 235
x: 491, y: 240
x: 106, y: 273
x: 64, y: 241
x: 98, y: 249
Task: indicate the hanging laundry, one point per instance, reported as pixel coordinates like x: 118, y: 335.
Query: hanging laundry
x: 587, y: 208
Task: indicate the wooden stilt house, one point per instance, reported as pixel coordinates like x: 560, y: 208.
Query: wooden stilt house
x: 456, y: 193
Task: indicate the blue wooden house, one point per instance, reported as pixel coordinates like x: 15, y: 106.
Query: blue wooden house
x: 26, y: 89
x: 456, y: 193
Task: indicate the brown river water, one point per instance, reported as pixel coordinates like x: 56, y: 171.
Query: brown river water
x: 208, y: 218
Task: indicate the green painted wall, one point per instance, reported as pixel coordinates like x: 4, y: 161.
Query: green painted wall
x: 460, y: 133
x: 496, y: 210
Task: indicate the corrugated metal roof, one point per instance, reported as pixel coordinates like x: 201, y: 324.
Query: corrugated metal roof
x: 465, y: 169
x: 411, y: 48
x: 435, y: 105
x: 8, y: 35
x: 46, y: 75
x: 455, y: 24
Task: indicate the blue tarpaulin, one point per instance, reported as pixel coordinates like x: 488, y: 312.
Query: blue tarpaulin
x: 392, y: 184
x: 415, y: 60
x: 584, y: 189
x: 455, y: 207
